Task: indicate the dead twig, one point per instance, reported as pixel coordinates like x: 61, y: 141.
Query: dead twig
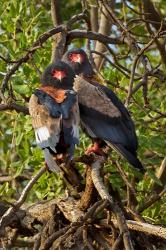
x: 5, y: 219
x: 146, y: 228
x: 125, y: 179
x: 147, y: 69
x: 151, y: 200
x: 117, y: 242
x: 85, y: 238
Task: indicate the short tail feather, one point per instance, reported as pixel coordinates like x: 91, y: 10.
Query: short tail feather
x: 130, y: 157
x: 51, y: 163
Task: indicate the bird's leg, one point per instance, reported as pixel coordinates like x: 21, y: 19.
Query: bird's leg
x: 95, y: 148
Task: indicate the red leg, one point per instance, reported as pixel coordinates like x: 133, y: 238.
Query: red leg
x: 95, y: 148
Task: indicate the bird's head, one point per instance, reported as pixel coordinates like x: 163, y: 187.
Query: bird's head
x: 58, y: 75
x: 78, y: 60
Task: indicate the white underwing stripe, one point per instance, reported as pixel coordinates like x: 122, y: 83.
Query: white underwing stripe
x: 75, y: 131
x: 42, y: 134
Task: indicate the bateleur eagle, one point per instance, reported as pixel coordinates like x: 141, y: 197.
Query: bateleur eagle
x: 55, y: 113
x: 103, y: 116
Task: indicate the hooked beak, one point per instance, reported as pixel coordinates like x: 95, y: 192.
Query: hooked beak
x: 60, y: 78
x: 59, y: 74
x: 79, y: 59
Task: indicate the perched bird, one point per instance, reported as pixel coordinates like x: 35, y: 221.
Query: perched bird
x: 55, y: 113
x: 103, y: 116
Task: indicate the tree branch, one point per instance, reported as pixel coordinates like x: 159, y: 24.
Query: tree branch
x: 98, y: 183
x: 5, y: 219
x: 14, y: 106
x: 140, y: 227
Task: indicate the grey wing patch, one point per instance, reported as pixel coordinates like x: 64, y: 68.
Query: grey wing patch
x: 76, y: 120
x: 51, y: 163
x: 71, y: 128
x: 48, y: 129
x: 91, y: 96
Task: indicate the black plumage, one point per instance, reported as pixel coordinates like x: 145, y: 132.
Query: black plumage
x: 55, y: 113
x: 80, y: 65
x: 47, y: 78
x: 115, y: 128
x: 57, y: 109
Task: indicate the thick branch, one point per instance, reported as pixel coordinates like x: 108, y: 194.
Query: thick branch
x: 38, y: 44
x: 94, y: 17
x: 59, y: 40
x: 104, y: 28
x: 140, y: 227
x: 55, y: 12
x: 98, y: 183
x: 93, y: 36
x: 14, y: 106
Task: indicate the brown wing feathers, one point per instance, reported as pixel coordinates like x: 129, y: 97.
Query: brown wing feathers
x: 102, y: 119
x: 95, y: 98
x: 40, y: 116
x: 56, y: 134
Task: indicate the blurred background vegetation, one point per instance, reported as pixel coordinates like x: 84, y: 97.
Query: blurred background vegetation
x: 22, y: 22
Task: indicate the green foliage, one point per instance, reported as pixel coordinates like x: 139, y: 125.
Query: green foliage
x: 22, y: 22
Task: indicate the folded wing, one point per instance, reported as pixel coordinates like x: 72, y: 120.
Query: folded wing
x: 55, y: 124
x: 103, y: 116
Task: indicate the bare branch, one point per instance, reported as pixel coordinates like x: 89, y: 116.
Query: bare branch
x: 5, y: 219
x: 38, y: 44
x: 94, y: 36
x: 140, y: 227
x: 139, y: 54
x: 104, y: 28
x: 152, y: 200
x: 94, y: 18
x: 55, y: 12
x: 98, y: 183
x: 161, y: 175
x: 14, y: 106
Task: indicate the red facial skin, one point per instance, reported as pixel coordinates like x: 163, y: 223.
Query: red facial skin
x: 95, y: 148
x: 77, y: 58
x: 59, y: 74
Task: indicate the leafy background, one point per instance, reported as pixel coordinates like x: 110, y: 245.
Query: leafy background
x: 22, y: 22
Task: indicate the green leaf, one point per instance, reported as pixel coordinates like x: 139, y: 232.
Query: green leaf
x: 19, y: 170
x: 154, y: 177
x: 21, y: 89
x: 19, y: 138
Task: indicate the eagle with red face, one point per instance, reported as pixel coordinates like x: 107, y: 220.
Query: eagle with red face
x: 55, y: 113
x: 103, y: 116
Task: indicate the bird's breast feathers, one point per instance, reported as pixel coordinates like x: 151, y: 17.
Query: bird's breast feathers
x: 59, y: 95
x: 50, y: 118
